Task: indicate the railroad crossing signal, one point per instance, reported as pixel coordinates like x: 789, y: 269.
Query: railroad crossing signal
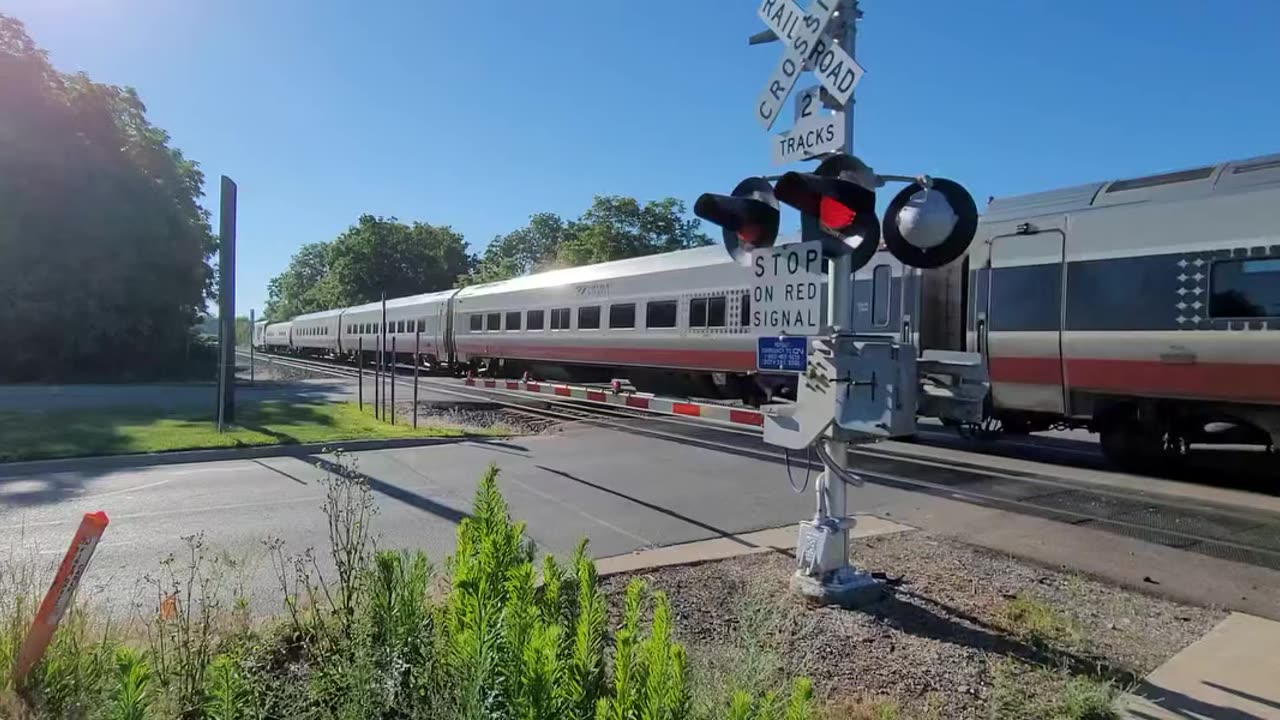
x: 748, y: 217
x: 840, y: 194
x: 930, y: 223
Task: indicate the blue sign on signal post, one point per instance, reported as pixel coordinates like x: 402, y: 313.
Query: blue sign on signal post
x: 785, y: 354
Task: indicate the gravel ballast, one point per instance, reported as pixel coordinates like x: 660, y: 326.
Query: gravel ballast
x: 960, y: 622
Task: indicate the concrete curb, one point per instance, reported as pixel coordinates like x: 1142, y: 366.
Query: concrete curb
x: 781, y: 539
x: 177, y: 457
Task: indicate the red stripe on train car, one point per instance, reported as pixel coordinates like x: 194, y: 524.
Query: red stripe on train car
x: 730, y: 360
x: 563, y: 391
x: 681, y: 408
x: 637, y: 402
x: 595, y: 395
x: 1248, y: 382
x: 1025, y: 370
x: 746, y: 417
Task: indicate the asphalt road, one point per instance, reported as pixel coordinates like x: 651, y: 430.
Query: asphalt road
x: 623, y: 492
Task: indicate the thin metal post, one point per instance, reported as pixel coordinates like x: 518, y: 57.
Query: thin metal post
x: 393, y: 379
x: 253, y: 329
x: 417, y: 360
x: 360, y: 372
x: 382, y: 354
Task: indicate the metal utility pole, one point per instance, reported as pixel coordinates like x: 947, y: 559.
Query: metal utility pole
x: 227, y: 304
x: 840, y: 309
x: 360, y: 372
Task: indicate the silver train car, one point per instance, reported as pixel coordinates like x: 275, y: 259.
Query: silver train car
x: 1146, y: 309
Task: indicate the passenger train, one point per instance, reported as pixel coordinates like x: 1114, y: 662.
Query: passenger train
x: 1145, y: 309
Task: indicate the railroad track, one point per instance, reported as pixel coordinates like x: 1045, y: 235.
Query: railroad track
x: 1224, y: 531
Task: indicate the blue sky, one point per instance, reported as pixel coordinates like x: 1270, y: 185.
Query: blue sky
x: 478, y: 114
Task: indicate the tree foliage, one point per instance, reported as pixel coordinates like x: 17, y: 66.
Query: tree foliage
x: 613, y: 228
x: 373, y: 256
x: 104, y: 246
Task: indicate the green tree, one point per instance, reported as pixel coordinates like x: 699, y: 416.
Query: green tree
x: 374, y: 255
x: 519, y: 252
x: 104, y: 246
x: 303, y: 286
x: 613, y: 228
x: 379, y: 255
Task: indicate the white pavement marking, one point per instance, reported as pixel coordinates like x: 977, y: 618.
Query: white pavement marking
x: 174, y: 511
x: 583, y: 513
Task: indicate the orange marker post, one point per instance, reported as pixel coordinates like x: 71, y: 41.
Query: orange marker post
x: 60, y: 594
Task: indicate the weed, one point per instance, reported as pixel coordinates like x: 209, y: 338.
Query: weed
x: 1038, y: 622
x: 132, y: 697
x: 1024, y: 692
x: 748, y: 661
x: 181, y: 631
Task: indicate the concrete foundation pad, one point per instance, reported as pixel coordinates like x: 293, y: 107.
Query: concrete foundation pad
x: 1232, y: 672
x: 847, y: 588
x: 781, y: 539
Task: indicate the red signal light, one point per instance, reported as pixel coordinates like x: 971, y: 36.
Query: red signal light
x: 834, y: 216
x: 749, y: 234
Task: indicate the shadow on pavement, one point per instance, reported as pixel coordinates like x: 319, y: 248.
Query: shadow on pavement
x: 395, y: 492
x: 1185, y: 706
x: 656, y: 508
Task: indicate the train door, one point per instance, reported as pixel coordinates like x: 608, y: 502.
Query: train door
x: 1023, y: 322
x: 443, y: 327
x: 878, y: 297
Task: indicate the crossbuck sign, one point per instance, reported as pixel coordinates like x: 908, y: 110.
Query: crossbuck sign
x: 805, y: 47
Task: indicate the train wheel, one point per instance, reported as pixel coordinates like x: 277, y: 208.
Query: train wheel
x: 1131, y: 447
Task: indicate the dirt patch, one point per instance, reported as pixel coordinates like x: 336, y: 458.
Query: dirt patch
x: 965, y: 633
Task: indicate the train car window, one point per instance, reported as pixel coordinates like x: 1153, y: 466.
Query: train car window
x: 1245, y: 288
x: 589, y: 317
x: 716, y: 311
x: 535, y: 320
x: 477, y: 322
x: 513, y: 320
x: 744, y: 310
x: 493, y: 321
x: 622, y: 316
x: 698, y: 312
x: 560, y: 319
x: 660, y: 313
x: 881, y: 281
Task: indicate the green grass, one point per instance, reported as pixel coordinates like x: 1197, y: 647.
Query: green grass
x: 1025, y: 692
x: 1038, y: 622
x: 114, y: 431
